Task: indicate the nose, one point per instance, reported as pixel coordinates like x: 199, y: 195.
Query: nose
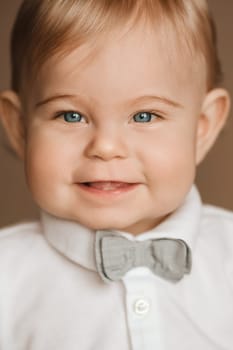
x: 107, y: 144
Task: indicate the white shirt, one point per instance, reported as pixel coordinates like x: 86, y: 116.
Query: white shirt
x: 52, y: 298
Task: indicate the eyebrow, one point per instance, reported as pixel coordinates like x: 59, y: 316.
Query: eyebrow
x: 53, y: 98
x: 143, y: 98
x: 161, y: 99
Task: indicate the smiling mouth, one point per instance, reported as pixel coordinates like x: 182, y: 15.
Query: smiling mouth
x: 108, y: 186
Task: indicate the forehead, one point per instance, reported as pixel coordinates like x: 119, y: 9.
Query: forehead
x: 124, y: 62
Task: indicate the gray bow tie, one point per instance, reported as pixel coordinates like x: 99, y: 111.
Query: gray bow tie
x: 116, y: 255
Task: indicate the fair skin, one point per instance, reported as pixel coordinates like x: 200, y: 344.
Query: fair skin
x: 125, y: 162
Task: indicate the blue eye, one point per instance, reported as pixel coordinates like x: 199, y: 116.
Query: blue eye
x: 72, y: 117
x: 144, y: 117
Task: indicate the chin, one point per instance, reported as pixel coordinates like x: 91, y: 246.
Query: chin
x: 103, y: 224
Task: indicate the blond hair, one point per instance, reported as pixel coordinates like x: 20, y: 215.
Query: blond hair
x: 45, y: 28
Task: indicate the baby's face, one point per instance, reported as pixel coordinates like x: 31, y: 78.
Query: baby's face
x: 111, y: 142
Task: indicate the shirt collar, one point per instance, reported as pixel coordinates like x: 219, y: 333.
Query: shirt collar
x: 76, y: 242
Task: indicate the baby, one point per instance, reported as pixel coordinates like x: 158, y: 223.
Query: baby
x: 113, y: 105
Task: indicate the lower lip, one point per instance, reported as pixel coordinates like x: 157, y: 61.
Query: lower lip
x: 115, y: 192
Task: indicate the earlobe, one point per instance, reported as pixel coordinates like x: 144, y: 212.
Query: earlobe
x: 215, y: 110
x: 12, y: 121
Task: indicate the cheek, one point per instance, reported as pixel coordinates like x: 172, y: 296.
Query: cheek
x: 170, y: 155
x: 49, y: 161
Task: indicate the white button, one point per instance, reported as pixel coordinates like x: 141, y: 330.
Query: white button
x: 141, y: 307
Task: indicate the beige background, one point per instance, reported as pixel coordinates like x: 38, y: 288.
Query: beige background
x: 215, y: 175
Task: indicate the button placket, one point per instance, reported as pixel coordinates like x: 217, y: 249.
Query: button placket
x: 142, y: 309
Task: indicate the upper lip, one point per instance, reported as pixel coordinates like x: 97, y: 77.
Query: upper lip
x: 117, y: 180
x: 110, y: 180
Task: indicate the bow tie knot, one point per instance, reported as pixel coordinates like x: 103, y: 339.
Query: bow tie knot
x: 116, y: 255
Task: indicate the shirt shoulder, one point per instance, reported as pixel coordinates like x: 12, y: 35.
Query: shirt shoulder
x: 20, y: 245
x: 217, y: 216
x: 19, y: 234
x: 217, y: 227
x: 20, y: 228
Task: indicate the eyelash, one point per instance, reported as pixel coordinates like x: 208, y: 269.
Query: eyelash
x: 62, y: 113
x: 152, y: 113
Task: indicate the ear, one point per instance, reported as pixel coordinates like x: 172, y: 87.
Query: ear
x: 215, y: 110
x: 12, y: 121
